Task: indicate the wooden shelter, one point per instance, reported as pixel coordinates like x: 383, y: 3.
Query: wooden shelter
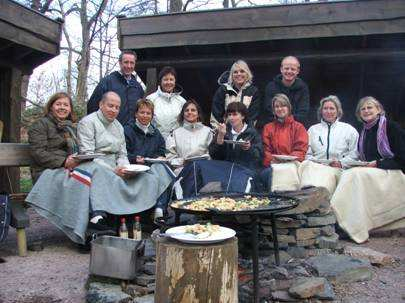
x: 27, y: 39
x: 347, y: 48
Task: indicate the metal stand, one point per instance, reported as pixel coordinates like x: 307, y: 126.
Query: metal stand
x: 255, y: 252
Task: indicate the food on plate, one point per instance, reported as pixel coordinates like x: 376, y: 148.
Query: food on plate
x: 200, y: 231
x: 224, y: 203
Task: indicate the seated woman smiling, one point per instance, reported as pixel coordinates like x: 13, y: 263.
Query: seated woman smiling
x: 332, y: 146
x: 373, y: 196
x: 145, y: 145
x: 284, y: 139
x: 236, y: 151
x: 191, y: 139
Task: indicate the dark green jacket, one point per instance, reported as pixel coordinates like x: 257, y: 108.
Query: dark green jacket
x: 48, y: 146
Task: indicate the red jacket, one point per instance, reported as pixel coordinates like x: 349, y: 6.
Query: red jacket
x: 288, y: 138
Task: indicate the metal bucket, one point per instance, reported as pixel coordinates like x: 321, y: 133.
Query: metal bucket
x: 115, y: 257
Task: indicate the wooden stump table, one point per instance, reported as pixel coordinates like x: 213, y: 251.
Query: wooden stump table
x: 196, y: 273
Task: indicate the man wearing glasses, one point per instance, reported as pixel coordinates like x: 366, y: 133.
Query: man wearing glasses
x: 125, y: 82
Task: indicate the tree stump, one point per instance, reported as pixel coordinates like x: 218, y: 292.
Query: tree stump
x: 196, y: 273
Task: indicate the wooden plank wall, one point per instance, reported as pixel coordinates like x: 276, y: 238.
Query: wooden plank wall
x: 309, y: 20
x: 10, y: 113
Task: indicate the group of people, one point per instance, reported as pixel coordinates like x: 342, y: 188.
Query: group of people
x: 253, y: 145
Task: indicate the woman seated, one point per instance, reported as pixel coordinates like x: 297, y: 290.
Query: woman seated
x: 283, y: 137
x: 143, y: 140
x: 191, y: 139
x: 167, y: 101
x: 238, y: 148
x: 69, y: 197
x: 332, y: 146
x: 236, y: 86
x: 373, y: 196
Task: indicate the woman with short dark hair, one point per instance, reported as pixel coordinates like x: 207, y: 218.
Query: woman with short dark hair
x: 167, y: 101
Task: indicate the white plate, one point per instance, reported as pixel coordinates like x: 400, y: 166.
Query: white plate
x: 240, y: 142
x: 179, y: 234
x: 285, y: 157
x: 322, y: 161
x: 156, y: 160
x: 135, y: 168
x: 87, y: 156
x: 356, y: 163
x: 202, y: 157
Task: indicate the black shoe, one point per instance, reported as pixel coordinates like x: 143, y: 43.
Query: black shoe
x: 100, y: 225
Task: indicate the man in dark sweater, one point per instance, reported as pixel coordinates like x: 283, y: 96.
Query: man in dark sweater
x: 125, y: 82
x: 289, y: 84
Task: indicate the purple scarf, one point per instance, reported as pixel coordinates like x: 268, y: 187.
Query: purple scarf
x: 383, y: 146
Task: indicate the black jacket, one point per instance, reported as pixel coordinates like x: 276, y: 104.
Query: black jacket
x: 251, y: 158
x: 129, y: 93
x: 151, y: 145
x: 396, y: 139
x: 298, y: 93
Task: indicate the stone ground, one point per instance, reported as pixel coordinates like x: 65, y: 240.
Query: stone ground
x: 59, y: 272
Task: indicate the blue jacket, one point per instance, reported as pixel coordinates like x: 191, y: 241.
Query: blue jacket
x: 129, y: 93
x: 151, y: 145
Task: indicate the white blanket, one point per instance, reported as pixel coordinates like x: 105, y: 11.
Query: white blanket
x: 368, y: 198
x: 285, y: 176
x: 315, y: 174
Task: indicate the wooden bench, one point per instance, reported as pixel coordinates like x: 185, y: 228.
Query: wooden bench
x: 17, y: 155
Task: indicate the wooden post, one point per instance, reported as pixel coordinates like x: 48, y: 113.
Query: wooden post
x: 196, y: 273
x: 21, y: 242
x: 151, y: 80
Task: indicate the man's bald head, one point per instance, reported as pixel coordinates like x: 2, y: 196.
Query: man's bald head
x: 110, y: 105
x: 290, y: 68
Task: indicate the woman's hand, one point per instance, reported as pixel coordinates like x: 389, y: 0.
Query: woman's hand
x: 246, y: 145
x: 221, y: 133
x: 336, y: 164
x: 119, y: 171
x: 71, y: 163
x: 140, y: 160
x: 372, y: 164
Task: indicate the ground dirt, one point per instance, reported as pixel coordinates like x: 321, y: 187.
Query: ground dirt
x: 59, y: 272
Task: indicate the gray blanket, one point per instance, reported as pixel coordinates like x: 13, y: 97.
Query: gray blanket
x: 66, y: 198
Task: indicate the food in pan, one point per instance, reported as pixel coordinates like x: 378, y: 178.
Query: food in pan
x: 224, y: 203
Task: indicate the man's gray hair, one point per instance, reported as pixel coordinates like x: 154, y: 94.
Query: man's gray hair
x: 108, y: 95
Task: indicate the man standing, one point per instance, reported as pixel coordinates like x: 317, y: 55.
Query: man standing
x: 125, y: 82
x: 289, y: 84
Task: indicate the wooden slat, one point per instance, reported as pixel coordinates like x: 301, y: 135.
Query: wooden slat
x: 275, y: 58
x: 263, y: 34
x: 29, y: 20
x: 14, y: 154
x: 265, y: 17
x: 29, y: 39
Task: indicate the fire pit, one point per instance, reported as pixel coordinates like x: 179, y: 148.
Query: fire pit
x: 278, y: 203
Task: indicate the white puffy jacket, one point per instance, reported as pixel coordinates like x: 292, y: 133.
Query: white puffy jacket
x: 189, y: 140
x: 333, y: 141
x: 167, y: 107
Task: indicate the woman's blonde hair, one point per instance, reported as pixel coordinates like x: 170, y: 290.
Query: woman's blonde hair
x: 57, y: 96
x: 243, y: 66
x: 283, y: 99
x: 335, y: 100
x: 373, y: 100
